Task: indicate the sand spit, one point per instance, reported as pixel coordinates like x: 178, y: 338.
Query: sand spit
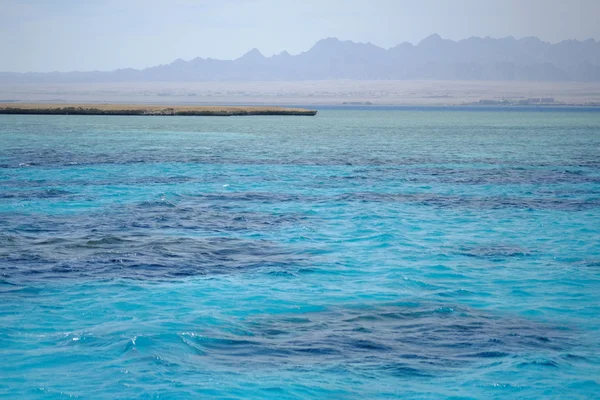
x: 133, y: 109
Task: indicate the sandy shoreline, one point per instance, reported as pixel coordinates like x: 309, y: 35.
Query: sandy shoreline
x: 137, y: 109
x: 309, y: 94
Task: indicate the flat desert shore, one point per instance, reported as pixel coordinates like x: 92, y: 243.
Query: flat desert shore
x: 136, y: 109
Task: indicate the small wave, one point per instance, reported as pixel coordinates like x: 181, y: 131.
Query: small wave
x: 488, y: 354
x: 107, y: 241
x: 154, y: 204
x: 539, y: 363
x: 495, y: 251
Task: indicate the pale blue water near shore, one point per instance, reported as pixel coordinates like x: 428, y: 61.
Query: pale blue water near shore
x: 355, y: 254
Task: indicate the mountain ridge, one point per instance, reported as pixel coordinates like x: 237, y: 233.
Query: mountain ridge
x: 436, y: 58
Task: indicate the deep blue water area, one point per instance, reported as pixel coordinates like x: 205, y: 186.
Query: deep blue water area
x: 361, y: 253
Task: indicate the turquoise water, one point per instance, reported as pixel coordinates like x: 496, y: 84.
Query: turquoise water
x: 356, y: 254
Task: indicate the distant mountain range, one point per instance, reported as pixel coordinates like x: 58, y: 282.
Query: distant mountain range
x: 527, y: 59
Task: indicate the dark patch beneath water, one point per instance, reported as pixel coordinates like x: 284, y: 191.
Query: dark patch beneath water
x: 437, y: 200
x: 570, y: 201
x: 476, y: 202
x: 413, y: 340
x: 140, y: 257
x: 494, y: 252
x: 501, y: 175
x: 23, y: 156
x: 151, y: 239
x: 41, y: 194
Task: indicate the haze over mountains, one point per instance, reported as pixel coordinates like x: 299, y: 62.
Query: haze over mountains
x: 527, y: 59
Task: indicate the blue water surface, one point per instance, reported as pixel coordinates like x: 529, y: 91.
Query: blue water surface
x: 361, y: 253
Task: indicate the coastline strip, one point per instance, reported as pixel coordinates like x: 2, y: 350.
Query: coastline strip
x: 136, y: 109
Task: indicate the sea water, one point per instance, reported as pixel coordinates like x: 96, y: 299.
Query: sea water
x: 357, y: 254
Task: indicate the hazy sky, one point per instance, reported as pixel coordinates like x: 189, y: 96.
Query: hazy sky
x: 65, y: 35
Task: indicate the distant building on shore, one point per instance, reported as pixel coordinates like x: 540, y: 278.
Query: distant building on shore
x: 512, y: 102
x: 537, y: 100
